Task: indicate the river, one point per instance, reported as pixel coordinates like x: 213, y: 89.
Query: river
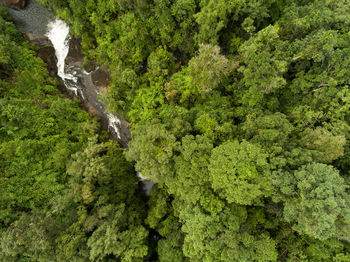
x: 39, y: 21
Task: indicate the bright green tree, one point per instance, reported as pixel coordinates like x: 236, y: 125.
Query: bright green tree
x: 240, y: 172
x: 316, y: 201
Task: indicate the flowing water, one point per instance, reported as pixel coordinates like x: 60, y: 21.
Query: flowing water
x: 33, y: 19
x: 79, y: 81
x: 39, y: 21
x: 57, y: 33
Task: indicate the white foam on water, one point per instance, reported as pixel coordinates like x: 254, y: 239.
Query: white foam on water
x: 147, y: 184
x: 82, y: 94
x: 89, y: 73
x: 57, y: 33
x: 139, y: 174
x: 114, y: 124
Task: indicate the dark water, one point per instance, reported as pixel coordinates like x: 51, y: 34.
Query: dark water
x: 32, y: 19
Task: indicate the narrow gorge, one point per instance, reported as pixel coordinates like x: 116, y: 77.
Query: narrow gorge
x: 40, y: 26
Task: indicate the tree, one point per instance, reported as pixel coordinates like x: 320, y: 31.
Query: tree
x: 215, y: 17
x: 103, y: 183
x: 118, y: 237
x: 28, y: 237
x: 330, y: 146
x: 224, y: 237
x: 39, y: 130
x: 264, y: 61
x: 236, y: 135
x: 160, y: 64
x: 153, y: 148
x: 240, y: 173
x: 98, y: 216
x: 208, y: 69
x: 191, y: 180
x: 296, y: 247
x: 161, y: 218
x: 316, y: 201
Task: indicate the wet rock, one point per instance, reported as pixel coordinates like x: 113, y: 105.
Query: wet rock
x: 74, y: 55
x: 47, y: 53
x: 92, y: 110
x: 126, y: 123
x: 15, y: 4
x: 100, y: 77
x: 38, y: 39
x: 89, y: 66
x: 124, y: 133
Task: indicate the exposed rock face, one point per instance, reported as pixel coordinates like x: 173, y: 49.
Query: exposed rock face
x: 47, y: 53
x: 38, y: 39
x: 92, y: 110
x: 74, y: 54
x: 15, y: 4
x: 89, y: 65
x: 100, y: 77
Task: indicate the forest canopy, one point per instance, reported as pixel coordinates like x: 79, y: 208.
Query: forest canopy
x: 239, y: 111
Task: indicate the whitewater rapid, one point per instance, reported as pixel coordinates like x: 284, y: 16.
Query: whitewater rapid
x: 58, y: 34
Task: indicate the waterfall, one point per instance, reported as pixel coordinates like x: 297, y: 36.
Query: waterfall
x: 114, y: 124
x: 147, y: 184
x: 57, y: 33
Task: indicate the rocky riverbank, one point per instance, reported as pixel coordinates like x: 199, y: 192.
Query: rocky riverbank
x: 33, y: 22
x: 14, y: 4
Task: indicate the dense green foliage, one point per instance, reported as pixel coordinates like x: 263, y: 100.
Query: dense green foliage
x: 66, y: 194
x: 240, y: 111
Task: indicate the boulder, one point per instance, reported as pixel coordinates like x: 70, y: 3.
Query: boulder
x: 47, y: 53
x: 92, y: 110
x: 74, y: 55
x: 89, y: 66
x: 38, y: 39
x: 15, y: 4
x: 100, y: 77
